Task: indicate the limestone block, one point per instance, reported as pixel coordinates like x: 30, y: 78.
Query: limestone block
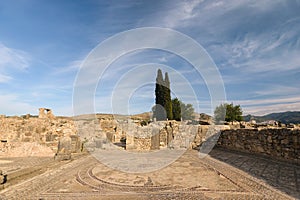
x: 62, y: 156
x: 285, y: 141
x: 42, y: 114
x: 67, y: 132
x: 65, y: 145
x: 269, y: 139
x: 2, y: 179
x: 50, y: 114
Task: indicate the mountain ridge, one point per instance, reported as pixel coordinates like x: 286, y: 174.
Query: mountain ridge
x: 284, y: 117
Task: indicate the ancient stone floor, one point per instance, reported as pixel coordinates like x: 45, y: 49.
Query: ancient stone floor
x: 281, y: 175
x: 221, y: 175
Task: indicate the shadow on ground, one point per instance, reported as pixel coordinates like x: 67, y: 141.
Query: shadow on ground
x: 283, y: 176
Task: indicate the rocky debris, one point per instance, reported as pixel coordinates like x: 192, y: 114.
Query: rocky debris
x: 3, y: 178
x: 149, y: 182
x: 24, y: 149
x: 62, y: 156
x: 44, y: 131
x: 205, y: 119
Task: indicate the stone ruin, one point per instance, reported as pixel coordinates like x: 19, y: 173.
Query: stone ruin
x: 44, y: 135
x: 132, y: 136
x: 3, y: 178
x: 46, y: 113
x: 21, y: 136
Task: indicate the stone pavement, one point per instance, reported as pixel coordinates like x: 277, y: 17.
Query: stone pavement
x: 282, y: 175
x: 213, y: 177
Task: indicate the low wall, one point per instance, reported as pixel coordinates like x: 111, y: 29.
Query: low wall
x: 280, y: 143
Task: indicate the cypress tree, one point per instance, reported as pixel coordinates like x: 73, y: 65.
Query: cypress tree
x: 167, y: 97
x: 176, y: 108
x: 163, y: 101
x: 159, y: 110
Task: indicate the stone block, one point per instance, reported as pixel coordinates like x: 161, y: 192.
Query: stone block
x: 28, y: 134
x: 62, y: 156
x: 2, y: 179
x: 65, y: 145
x: 285, y: 141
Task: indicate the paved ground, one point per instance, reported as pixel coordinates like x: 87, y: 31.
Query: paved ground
x: 222, y: 175
x: 280, y: 174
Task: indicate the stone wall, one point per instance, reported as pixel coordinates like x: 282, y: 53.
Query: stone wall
x: 280, y: 143
x: 64, y: 135
x: 14, y: 131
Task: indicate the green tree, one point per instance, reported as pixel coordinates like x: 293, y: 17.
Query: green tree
x: 176, y: 109
x: 159, y: 109
x: 187, y: 111
x: 159, y: 91
x: 233, y: 113
x: 220, y: 113
x: 228, y: 112
x: 167, y: 97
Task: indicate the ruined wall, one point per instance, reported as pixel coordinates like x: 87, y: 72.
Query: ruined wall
x: 106, y: 132
x: 280, y: 143
x: 44, y: 131
x: 102, y: 133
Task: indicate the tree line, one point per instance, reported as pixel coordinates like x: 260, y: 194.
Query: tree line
x: 174, y: 109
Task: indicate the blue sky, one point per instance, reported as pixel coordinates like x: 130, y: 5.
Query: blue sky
x: 254, y: 44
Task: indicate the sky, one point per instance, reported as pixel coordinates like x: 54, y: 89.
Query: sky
x: 44, y: 46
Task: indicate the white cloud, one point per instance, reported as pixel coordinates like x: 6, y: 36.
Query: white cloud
x: 259, y: 50
x: 259, y: 53
x: 4, y: 78
x: 267, y: 109
x: 72, y: 66
x: 268, y: 105
x: 278, y: 90
x: 268, y: 101
x: 181, y: 13
x: 12, y: 104
x: 11, y: 59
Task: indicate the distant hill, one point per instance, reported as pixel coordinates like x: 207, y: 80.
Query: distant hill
x: 284, y: 117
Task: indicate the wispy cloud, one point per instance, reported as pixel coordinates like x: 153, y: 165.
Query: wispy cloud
x: 72, y: 66
x: 270, y: 108
x: 15, y: 58
x: 277, y: 90
x: 268, y: 105
x: 4, y: 78
x: 12, y: 104
x: 12, y: 59
x: 261, y: 46
x: 255, y: 45
x: 181, y: 13
x: 261, y: 53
